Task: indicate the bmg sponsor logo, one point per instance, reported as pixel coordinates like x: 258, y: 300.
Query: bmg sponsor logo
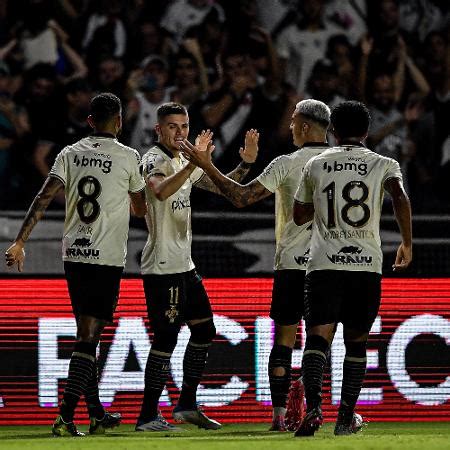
x: 85, y: 161
x: 360, y: 168
x: 350, y: 255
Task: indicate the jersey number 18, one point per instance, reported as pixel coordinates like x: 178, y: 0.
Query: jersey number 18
x: 330, y: 192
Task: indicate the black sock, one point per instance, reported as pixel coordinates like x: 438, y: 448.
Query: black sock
x: 280, y: 356
x: 355, y: 363
x: 313, y: 366
x: 194, y: 363
x: 81, y: 367
x: 156, y: 374
x: 91, y: 395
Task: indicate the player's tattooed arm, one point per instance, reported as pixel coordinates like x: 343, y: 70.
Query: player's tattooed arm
x: 237, y: 174
x: 238, y: 194
x: 16, y: 253
x: 215, y: 181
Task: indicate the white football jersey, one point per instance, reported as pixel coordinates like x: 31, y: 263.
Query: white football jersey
x: 168, y: 246
x: 98, y: 173
x: 282, y: 177
x: 346, y: 185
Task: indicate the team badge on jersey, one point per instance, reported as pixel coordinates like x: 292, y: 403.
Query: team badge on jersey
x: 172, y: 313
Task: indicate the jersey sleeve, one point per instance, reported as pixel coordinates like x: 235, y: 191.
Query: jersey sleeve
x: 273, y: 175
x: 58, y: 169
x: 196, y: 175
x: 136, y: 180
x: 393, y: 170
x: 304, y: 192
x: 154, y: 165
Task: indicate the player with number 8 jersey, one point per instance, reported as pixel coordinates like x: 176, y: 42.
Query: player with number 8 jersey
x: 101, y: 179
x: 98, y: 172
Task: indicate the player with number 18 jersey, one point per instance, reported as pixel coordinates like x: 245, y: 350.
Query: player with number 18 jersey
x: 346, y: 186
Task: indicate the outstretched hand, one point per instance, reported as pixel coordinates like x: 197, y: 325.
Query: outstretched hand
x: 15, y: 255
x: 203, y: 139
x: 197, y: 156
x: 250, y: 151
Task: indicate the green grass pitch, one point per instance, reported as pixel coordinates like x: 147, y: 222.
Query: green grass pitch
x: 377, y: 436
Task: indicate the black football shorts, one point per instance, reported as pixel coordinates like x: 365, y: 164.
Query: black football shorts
x: 174, y: 299
x: 350, y: 297
x: 287, y: 306
x: 93, y: 289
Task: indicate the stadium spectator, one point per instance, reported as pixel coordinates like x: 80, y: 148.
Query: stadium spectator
x: 70, y: 64
x: 174, y: 291
x: 212, y: 36
x: 309, y: 124
x: 14, y: 125
x: 149, y: 84
x: 323, y: 84
x: 73, y: 127
x: 190, y: 75
x: 418, y: 18
x: 105, y: 32
x: 109, y: 75
x: 93, y: 277
x: 341, y: 54
x: 184, y: 14
x: 302, y: 44
x: 148, y: 38
x: 348, y: 16
x: 37, y: 40
x: 343, y: 275
x: 245, y: 98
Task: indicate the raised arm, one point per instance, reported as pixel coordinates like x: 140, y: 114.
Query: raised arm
x: 402, y: 211
x: 215, y: 181
x: 16, y: 253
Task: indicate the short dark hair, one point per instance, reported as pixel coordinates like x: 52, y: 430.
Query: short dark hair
x: 104, y: 107
x: 166, y: 109
x: 350, y: 119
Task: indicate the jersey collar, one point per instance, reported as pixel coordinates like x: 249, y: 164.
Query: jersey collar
x: 352, y: 142
x: 315, y: 144
x: 164, y: 150
x: 103, y: 135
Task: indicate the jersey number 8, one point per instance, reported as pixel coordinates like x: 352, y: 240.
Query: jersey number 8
x: 89, y: 188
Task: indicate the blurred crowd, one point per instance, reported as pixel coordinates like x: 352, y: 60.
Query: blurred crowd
x: 236, y: 64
